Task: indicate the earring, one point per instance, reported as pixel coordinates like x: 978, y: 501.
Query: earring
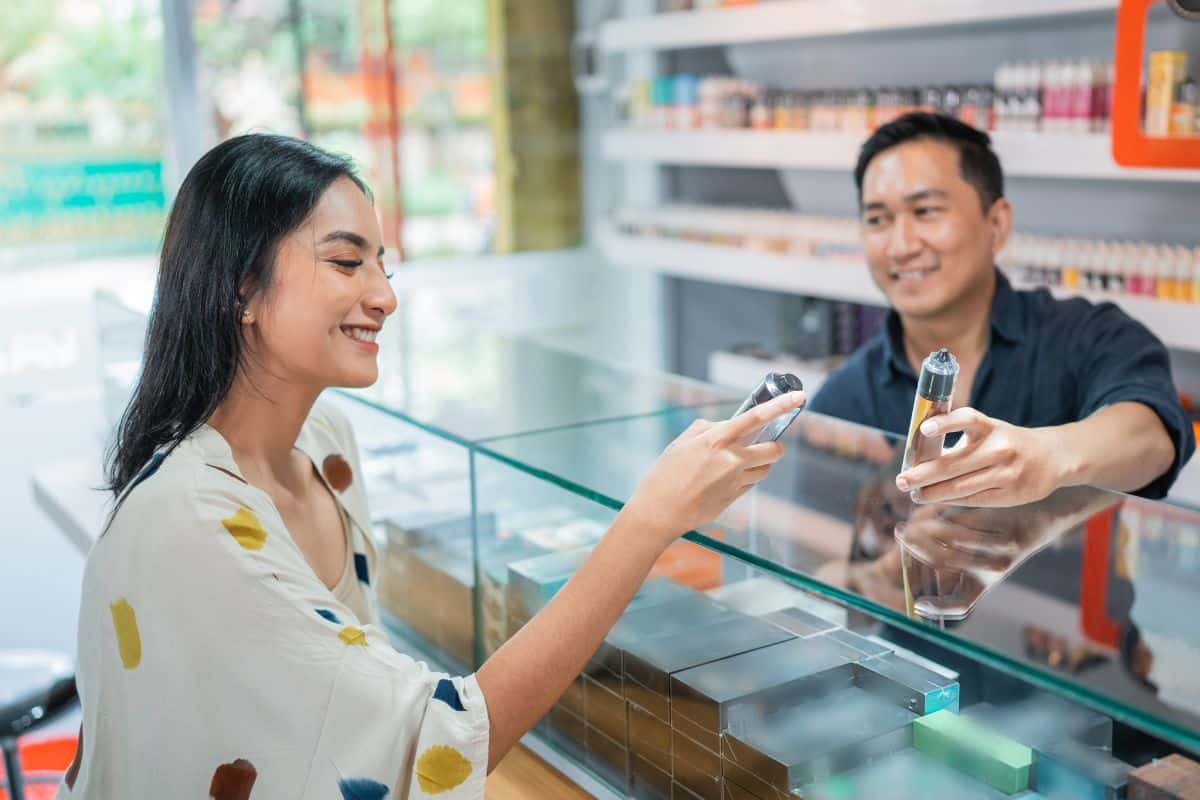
x: 246, y: 315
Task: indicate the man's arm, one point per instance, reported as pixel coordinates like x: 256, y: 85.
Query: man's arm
x: 1122, y: 447
x: 1131, y: 435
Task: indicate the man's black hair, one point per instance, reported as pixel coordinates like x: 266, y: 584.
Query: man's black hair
x: 977, y: 161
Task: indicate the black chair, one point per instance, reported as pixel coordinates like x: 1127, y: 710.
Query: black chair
x: 35, y: 687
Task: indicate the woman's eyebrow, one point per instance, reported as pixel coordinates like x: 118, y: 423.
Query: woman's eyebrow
x: 353, y: 238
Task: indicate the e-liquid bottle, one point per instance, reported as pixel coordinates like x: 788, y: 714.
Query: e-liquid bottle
x: 770, y: 387
x: 935, y: 388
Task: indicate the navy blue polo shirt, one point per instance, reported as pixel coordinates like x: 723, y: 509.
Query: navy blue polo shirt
x: 1048, y: 362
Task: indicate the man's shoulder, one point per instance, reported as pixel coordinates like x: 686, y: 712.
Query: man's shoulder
x: 845, y: 390
x: 864, y: 364
x: 1069, y: 311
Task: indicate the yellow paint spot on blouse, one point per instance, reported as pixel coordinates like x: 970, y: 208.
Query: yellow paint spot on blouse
x: 244, y: 527
x: 441, y: 768
x: 352, y: 635
x: 129, y: 641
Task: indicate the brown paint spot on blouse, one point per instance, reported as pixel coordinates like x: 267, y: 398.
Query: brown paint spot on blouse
x: 233, y: 781
x: 337, y: 473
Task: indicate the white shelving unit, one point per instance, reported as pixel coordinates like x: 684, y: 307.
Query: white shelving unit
x: 800, y: 19
x: 742, y: 267
x: 1176, y: 324
x: 1036, y: 155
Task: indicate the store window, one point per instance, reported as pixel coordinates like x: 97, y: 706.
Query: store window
x: 402, y: 87
x: 81, y: 155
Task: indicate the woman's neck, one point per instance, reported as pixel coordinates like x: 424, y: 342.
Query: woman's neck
x: 261, y: 418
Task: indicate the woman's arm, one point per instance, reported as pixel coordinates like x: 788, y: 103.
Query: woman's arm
x: 697, y: 477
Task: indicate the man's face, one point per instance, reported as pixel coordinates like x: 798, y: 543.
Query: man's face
x: 928, y: 241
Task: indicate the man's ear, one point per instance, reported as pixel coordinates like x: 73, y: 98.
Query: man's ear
x: 1000, y: 217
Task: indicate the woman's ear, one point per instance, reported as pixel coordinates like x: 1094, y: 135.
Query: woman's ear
x: 249, y: 303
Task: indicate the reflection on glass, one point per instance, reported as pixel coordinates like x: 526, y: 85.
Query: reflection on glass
x: 1083, y: 586
x: 950, y: 556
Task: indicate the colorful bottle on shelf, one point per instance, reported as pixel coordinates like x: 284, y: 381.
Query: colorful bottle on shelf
x: 1196, y: 275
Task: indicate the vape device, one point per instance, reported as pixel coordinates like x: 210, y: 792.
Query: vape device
x: 935, y: 387
x: 772, y: 386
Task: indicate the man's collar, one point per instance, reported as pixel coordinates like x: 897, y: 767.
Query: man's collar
x: 1007, y: 322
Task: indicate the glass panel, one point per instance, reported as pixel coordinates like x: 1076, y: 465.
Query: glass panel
x: 1078, y: 592
x: 722, y: 679
x: 477, y: 386
x: 418, y: 493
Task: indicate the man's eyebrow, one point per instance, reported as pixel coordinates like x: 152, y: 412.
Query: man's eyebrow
x: 875, y: 206
x: 925, y: 194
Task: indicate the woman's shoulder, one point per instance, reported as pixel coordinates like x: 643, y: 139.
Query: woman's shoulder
x: 327, y: 418
x: 174, y: 493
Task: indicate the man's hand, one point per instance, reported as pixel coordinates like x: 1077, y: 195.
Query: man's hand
x: 994, y: 464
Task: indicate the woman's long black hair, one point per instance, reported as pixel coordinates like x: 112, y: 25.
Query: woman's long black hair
x: 234, y: 207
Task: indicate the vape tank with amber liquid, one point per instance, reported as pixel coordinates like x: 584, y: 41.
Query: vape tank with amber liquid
x: 935, y: 388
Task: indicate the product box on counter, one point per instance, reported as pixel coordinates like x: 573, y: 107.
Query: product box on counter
x: 907, y: 684
x: 607, y: 757
x: 649, y: 737
x: 1043, y: 719
x: 833, y: 733
x: 493, y: 586
x: 652, y: 593
x: 984, y: 754
x: 651, y: 663
x: 705, y: 700
x: 690, y: 632
x: 757, y: 596
x: 1072, y: 769
x: 532, y: 582
x: 696, y: 767
x: 567, y: 730
x: 605, y: 708
x: 800, y: 622
x: 646, y: 780
x: 428, y: 580
x: 905, y: 775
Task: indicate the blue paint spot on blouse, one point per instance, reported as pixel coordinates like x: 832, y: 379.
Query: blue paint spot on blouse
x: 446, y: 692
x: 362, y: 789
x: 329, y: 615
x: 360, y: 568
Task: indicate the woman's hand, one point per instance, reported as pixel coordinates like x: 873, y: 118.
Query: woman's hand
x: 705, y: 469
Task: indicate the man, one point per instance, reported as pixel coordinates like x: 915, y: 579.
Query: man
x: 1051, y: 393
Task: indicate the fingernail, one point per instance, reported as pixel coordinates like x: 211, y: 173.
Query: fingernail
x: 929, y: 427
x: 902, y: 484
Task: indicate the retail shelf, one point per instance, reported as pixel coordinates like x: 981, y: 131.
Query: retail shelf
x: 847, y: 281
x: 1176, y: 324
x: 801, y: 19
x: 1033, y: 155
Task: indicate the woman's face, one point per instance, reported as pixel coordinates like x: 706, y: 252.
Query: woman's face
x: 329, y: 296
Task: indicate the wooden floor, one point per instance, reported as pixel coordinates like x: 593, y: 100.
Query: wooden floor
x: 522, y: 775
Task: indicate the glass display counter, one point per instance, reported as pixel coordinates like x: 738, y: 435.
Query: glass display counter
x: 824, y: 638
x: 827, y: 636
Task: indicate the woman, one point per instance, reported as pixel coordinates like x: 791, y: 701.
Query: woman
x: 229, y: 639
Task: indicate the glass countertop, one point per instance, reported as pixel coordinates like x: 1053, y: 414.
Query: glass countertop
x: 1088, y: 592
x: 481, y: 386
